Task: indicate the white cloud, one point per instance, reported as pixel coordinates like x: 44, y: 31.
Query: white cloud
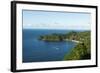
x: 58, y: 26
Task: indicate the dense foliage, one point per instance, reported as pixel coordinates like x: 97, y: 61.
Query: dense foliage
x: 82, y: 50
x: 52, y: 37
x: 78, y: 52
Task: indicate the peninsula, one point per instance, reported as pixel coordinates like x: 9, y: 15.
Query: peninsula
x: 80, y: 51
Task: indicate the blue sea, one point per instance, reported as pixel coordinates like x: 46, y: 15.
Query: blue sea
x: 35, y: 50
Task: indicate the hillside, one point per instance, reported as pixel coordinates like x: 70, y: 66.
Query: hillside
x: 81, y: 50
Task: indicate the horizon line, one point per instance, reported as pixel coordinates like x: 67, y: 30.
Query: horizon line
x: 54, y: 29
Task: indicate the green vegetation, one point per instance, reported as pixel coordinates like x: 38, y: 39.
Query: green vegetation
x: 52, y: 37
x: 59, y: 37
x: 81, y: 51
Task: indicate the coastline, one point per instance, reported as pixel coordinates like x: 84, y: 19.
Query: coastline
x: 73, y: 41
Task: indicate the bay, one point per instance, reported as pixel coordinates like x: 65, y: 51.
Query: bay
x: 35, y: 50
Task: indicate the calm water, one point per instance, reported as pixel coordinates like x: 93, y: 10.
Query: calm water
x: 35, y: 50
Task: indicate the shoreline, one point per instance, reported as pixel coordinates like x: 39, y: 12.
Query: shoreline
x: 63, y: 40
x: 73, y: 41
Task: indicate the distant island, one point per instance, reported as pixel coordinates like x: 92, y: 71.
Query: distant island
x: 81, y: 51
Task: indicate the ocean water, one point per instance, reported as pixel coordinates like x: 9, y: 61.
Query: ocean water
x: 35, y: 50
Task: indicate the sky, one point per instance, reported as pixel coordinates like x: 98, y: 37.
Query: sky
x: 56, y: 20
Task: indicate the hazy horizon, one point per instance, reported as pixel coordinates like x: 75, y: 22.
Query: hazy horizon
x: 56, y: 20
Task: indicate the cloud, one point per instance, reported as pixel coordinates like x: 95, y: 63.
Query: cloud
x: 58, y: 26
